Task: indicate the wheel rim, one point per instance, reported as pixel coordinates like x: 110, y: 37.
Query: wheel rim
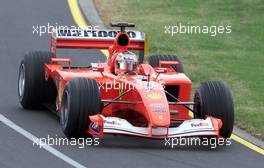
x: 21, y: 81
x: 65, y: 109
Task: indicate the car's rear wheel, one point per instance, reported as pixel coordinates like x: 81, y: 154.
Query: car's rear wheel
x: 33, y: 89
x: 154, y: 60
x: 80, y: 99
x: 214, y: 98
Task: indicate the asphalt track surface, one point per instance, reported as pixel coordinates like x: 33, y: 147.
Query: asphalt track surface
x: 16, y: 38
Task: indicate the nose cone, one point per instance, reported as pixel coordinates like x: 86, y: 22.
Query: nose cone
x: 157, y: 107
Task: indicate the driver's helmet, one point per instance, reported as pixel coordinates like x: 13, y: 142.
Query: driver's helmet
x: 126, y: 62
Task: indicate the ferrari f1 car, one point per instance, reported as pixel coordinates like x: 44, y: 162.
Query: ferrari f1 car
x: 128, y: 94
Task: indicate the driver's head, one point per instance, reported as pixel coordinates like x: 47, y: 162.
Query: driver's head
x: 126, y: 62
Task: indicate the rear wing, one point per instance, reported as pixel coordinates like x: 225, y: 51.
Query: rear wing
x: 94, y: 39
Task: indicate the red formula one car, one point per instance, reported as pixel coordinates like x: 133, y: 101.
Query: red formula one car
x: 126, y: 94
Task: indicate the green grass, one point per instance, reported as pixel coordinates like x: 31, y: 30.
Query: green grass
x: 237, y: 58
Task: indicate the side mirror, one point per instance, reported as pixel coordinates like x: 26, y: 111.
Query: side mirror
x: 171, y: 65
x: 66, y: 60
x: 161, y: 70
x: 168, y: 63
x: 97, y: 67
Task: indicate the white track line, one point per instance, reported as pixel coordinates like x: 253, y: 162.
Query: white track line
x: 48, y: 148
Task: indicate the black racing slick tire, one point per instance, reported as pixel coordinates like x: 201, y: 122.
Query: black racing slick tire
x: 33, y: 89
x: 80, y: 99
x: 154, y: 60
x: 214, y: 98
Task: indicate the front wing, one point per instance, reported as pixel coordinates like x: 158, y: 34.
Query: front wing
x: 190, y: 128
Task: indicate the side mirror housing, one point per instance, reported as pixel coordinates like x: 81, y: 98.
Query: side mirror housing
x: 161, y: 70
x: 97, y: 67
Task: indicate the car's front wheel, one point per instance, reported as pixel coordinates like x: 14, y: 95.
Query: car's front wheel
x: 80, y: 99
x: 214, y: 98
